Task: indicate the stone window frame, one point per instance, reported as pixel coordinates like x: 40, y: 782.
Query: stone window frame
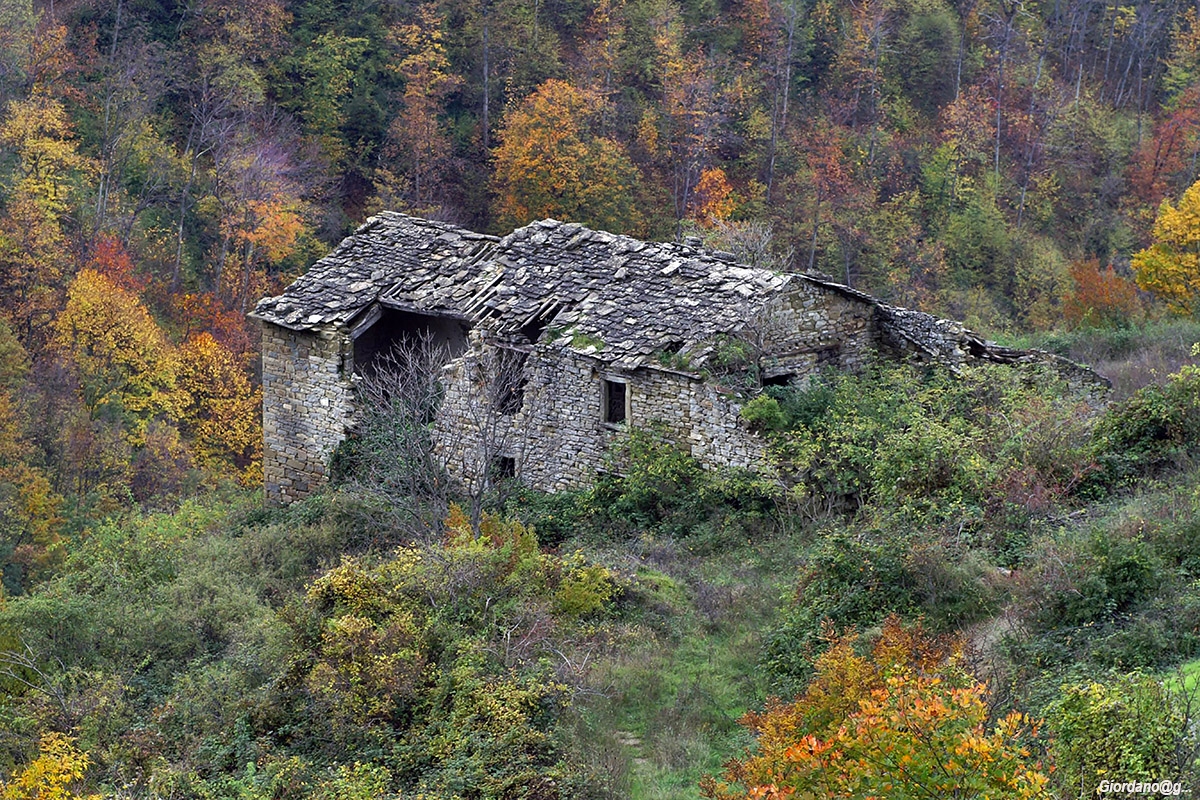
x: 607, y: 381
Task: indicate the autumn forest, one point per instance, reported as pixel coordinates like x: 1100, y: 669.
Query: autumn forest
x: 976, y: 584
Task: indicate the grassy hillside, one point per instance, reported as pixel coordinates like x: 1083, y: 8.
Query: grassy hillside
x: 608, y: 643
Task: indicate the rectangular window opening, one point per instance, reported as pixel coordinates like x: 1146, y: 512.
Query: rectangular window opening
x: 616, y: 400
x: 504, y: 468
x: 510, y: 381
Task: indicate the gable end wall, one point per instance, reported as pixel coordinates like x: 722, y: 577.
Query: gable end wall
x: 306, y: 408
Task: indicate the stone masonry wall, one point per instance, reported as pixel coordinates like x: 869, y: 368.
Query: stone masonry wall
x: 306, y: 407
x: 559, y: 438
x: 811, y: 327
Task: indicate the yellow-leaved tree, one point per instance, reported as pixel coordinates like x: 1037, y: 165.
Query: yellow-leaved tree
x: 32, y: 244
x: 1171, y: 266
x: 123, y: 436
x: 904, y: 722
x: 30, y: 518
x: 221, y: 412
x: 126, y: 366
x: 54, y: 775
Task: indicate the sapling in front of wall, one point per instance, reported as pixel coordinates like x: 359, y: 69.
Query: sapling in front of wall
x: 390, y: 452
x: 422, y: 417
x: 483, y: 426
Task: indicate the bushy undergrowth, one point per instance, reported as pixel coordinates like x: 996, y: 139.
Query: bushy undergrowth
x: 952, y: 498
x: 928, y: 446
x: 193, y: 656
x: 603, y: 643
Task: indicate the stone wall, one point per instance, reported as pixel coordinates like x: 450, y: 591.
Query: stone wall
x: 720, y: 437
x: 811, y: 327
x: 559, y: 439
x: 904, y: 333
x: 306, y: 408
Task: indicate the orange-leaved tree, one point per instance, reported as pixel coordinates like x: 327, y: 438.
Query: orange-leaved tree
x: 552, y: 162
x: 712, y: 200
x: 906, y: 721
x: 1101, y: 297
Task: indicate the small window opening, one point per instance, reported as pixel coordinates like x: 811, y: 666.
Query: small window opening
x: 504, y: 467
x: 510, y: 381
x: 780, y: 380
x: 615, y: 397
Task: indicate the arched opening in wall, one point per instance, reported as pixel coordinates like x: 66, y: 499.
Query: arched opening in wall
x: 381, y: 329
x: 781, y: 379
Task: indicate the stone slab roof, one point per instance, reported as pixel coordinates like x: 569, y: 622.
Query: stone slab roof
x: 391, y: 251
x: 619, y: 299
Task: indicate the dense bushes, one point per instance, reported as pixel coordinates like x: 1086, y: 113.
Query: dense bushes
x: 927, y: 445
x: 1158, y: 426
x: 653, y: 486
x: 192, y: 663
x: 1126, y: 728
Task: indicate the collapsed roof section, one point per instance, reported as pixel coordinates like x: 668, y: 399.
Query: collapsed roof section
x: 389, y: 252
x: 636, y: 298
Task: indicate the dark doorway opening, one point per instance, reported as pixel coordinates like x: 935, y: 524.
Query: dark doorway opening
x: 383, y: 328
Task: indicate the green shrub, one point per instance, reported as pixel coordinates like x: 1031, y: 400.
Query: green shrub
x: 990, y: 443
x: 553, y: 517
x: 1077, y: 580
x: 857, y: 578
x: 584, y: 588
x: 1127, y: 728
x: 654, y: 486
x: 764, y: 414
x: 1159, y: 426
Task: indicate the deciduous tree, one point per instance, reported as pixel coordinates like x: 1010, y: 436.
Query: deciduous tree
x: 54, y: 775
x: 125, y: 365
x: 904, y: 722
x: 551, y: 163
x: 1100, y: 298
x: 418, y: 132
x: 1170, y: 267
x: 220, y: 414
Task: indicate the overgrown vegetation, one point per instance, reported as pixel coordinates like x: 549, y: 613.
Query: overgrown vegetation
x: 1029, y: 168
x: 606, y: 643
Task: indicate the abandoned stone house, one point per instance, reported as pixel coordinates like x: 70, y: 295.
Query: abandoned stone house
x: 602, y: 332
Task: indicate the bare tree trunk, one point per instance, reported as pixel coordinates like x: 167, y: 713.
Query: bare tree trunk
x: 782, y: 94
x: 812, y: 250
x: 1010, y: 14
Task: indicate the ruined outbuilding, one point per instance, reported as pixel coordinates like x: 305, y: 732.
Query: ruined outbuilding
x: 600, y: 332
